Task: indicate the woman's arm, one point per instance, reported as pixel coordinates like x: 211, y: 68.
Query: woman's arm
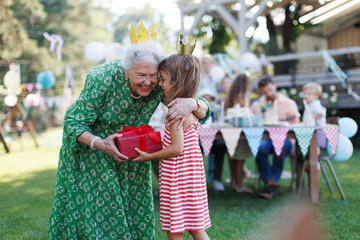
x: 106, y: 145
x: 174, y: 149
x: 180, y: 108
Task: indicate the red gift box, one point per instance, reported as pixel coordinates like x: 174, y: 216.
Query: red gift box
x: 145, y: 138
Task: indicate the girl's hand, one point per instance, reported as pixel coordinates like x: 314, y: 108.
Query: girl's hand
x: 143, y: 156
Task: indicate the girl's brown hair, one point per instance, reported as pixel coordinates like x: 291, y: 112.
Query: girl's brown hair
x: 238, y: 91
x: 184, y: 71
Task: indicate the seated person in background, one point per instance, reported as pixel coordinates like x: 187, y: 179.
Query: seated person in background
x: 275, y: 106
x: 218, y: 149
x: 238, y: 94
x: 225, y: 85
x: 314, y: 113
x: 206, y: 80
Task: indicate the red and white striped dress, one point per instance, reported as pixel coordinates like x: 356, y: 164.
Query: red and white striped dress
x: 183, y: 193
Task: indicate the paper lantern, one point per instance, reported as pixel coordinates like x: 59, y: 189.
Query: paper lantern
x: 96, y: 51
x: 12, y: 81
x: 250, y: 61
x: 46, y: 79
x: 10, y: 100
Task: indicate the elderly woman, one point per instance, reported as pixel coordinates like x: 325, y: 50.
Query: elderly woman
x: 99, y: 194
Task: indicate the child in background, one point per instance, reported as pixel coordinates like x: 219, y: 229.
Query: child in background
x: 183, y: 192
x: 239, y: 94
x: 314, y: 113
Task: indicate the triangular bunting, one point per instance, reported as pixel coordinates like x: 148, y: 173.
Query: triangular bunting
x: 332, y: 134
x: 303, y: 137
x: 207, y: 136
x: 231, y: 137
x: 278, y: 136
x: 254, y: 136
x: 29, y: 86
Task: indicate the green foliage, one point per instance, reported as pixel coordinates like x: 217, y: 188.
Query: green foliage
x: 221, y: 35
x: 78, y: 22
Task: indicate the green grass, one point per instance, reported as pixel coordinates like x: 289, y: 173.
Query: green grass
x: 27, y: 181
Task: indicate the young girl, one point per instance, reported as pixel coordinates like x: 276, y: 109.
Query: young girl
x: 238, y: 94
x: 183, y: 194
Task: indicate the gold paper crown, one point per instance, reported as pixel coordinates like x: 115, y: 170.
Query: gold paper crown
x: 140, y: 34
x: 188, y: 47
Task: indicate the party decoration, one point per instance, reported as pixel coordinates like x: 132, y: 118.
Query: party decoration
x: 29, y: 86
x: 96, y: 51
x: 207, y: 136
x: 250, y: 61
x: 344, y: 149
x: 303, y: 137
x: 217, y: 73
x: 141, y: 34
x: 33, y: 100
x: 231, y: 137
x: 332, y: 134
x: 278, y: 136
x: 321, y: 138
x: 347, y: 126
x: 53, y: 40
x: 254, y: 136
x: 12, y: 79
x: 228, y: 64
x: 11, y: 100
x: 46, y: 79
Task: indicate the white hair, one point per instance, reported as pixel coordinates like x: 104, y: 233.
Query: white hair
x: 148, y: 53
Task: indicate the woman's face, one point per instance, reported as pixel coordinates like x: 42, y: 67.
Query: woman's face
x: 142, y: 79
x: 206, y: 65
x: 165, y: 84
x: 226, y: 84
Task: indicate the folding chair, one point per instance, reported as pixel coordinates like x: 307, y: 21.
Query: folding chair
x: 323, y: 158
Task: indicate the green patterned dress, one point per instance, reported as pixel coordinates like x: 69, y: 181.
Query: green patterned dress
x: 95, y: 196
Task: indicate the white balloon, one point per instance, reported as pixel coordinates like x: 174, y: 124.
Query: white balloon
x: 250, y: 61
x: 33, y: 100
x: 96, y: 51
x: 12, y: 81
x: 217, y: 74
x: 10, y: 100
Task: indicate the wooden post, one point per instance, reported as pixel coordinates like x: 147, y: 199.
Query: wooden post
x: 2, y: 139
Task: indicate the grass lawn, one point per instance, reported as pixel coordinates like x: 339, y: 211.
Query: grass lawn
x: 27, y: 182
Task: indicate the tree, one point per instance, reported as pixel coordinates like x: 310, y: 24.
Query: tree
x: 221, y: 35
x: 290, y: 31
x: 22, y: 26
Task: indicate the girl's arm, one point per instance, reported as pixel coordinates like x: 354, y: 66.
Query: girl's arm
x: 175, y: 149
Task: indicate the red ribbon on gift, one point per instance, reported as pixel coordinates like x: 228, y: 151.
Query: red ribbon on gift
x: 142, y: 131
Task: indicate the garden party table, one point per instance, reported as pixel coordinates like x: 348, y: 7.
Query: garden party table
x: 306, y: 139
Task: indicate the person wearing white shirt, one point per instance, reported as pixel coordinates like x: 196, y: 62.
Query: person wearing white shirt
x: 315, y: 113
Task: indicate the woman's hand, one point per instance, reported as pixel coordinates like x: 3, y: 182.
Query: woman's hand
x: 108, y: 147
x: 180, y: 108
x: 143, y: 156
